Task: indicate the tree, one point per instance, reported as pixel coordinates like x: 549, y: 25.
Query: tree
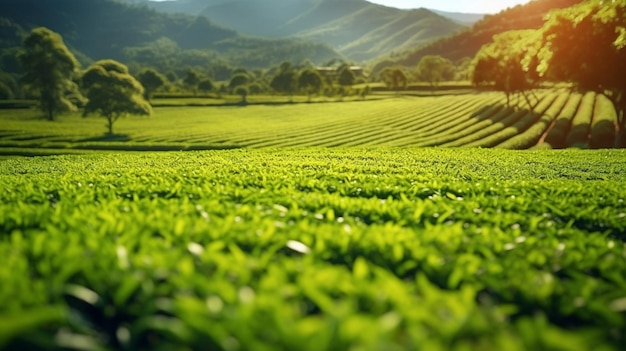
x: 365, y: 92
x: 310, y: 81
x: 586, y: 45
x: 394, y: 78
x: 504, y: 63
x: 238, y: 79
x: 345, y: 76
x: 8, y: 86
x: 191, y: 80
x: 434, y: 69
x: 285, y: 80
x: 112, y: 92
x: 50, y: 69
x: 242, y: 91
x: 151, y: 80
x: 206, y: 85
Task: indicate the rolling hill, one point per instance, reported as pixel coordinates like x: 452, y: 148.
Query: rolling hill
x: 466, y: 43
x: 112, y: 29
x: 358, y: 29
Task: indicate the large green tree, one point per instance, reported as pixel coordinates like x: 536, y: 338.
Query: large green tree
x: 112, y: 92
x: 434, y: 69
x: 394, y: 77
x: 191, y: 80
x: 151, y: 80
x: 285, y: 80
x: 509, y: 64
x: 206, y: 85
x: 310, y: 81
x: 49, y: 70
x: 586, y: 45
x: 239, y: 79
x: 345, y: 75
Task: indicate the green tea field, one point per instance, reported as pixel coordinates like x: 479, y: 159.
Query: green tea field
x: 316, y: 248
x: 558, y: 120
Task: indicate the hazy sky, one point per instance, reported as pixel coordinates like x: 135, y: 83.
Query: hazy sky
x: 473, y: 6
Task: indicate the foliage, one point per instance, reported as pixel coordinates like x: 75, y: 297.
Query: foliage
x: 467, y: 43
x: 151, y: 80
x: 49, y: 69
x: 239, y: 79
x: 593, y: 33
x: 314, y: 249
x: 509, y: 62
x: 242, y: 91
x: 6, y: 93
x: 345, y: 75
x: 435, y: 69
x: 394, y: 77
x: 113, y: 92
x: 478, y: 120
x: 191, y: 80
x: 206, y: 85
x: 310, y: 81
x: 285, y: 80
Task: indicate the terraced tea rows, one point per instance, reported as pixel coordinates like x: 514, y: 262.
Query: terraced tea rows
x: 559, y: 120
x: 315, y: 249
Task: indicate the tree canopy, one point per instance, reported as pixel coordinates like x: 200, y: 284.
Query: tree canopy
x: 50, y: 69
x: 586, y: 45
x: 310, y: 81
x: 434, y: 69
x: 112, y: 92
x: 394, y: 77
x: 285, y: 80
x: 206, y: 85
x: 191, y: 80
x: 345, y: 76
x: 239, y: 79
x: 151, y: 80
x: 509, y: 63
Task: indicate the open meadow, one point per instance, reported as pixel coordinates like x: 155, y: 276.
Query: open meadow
x: 313, y: 248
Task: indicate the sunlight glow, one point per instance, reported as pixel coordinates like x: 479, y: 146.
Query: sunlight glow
x: 476, y: 6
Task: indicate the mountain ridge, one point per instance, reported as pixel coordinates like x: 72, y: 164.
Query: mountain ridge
x: 133, y: 32
x: 466, y: 43
x: 323, y: 21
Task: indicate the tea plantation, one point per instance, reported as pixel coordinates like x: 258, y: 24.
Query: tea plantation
x: 559, y: 119
x: 314, y: 249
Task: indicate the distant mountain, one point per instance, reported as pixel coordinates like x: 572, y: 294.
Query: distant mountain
x: 466, y: 19
x: 467, y: 43
x: 356, y: 28
x: 130, y: 33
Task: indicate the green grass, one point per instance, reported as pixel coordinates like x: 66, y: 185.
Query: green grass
x: 469, y: 120
x: 314, y: 249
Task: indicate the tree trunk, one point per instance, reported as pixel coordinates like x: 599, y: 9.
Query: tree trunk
x: 110, y: 121
x: 50, y: 113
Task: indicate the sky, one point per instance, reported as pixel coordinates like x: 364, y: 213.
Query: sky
x: 466, y: 6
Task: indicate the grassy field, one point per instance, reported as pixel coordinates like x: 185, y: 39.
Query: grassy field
x: 310, y: 249
x: 559, y: 120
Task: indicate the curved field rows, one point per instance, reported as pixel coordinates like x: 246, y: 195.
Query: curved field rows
x: 558, y: 119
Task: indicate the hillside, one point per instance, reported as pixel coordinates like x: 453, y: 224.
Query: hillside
x: 467, y: 43
x: 113, y: 29
x: 358, y: 29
